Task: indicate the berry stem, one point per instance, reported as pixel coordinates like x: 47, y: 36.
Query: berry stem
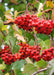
x: 35, y: 36
x: 29, y: 4
x: 30, y: 33
x: 10, y: 44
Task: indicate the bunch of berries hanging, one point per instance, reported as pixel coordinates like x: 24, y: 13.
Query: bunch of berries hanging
x: 8, y: 58
x: 7, y: 55
x: 33, y: 52
x: 48, y: 54
x: 4, y: 50
x: 28, y: 21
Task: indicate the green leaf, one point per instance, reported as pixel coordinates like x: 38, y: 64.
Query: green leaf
x: 18, y: 64
x: 2, y: 66
x: 2, y: 8
x: 42, y: 1
x: 1, y: 38
x: 10, y: 39
x: 28, y: 35
x: 29, y: 69
x: 42, y: 63
x: 6, y: 1
x: 45, y: 72
x: 51, y: 69
x: 45, y: 44
x: 43, y: 36
x: 16, y: 48
x: 8, y: 68
x: 20, y: 32
x: 1, y: 72
x: 41, y: 73
x: 11, y: 31
x: 52, y: 34
x: 17, y: 67
x: 17, y: 72
x: 1, y: 24
x: 8, y: 11
x: 20, y: 7
x: 39, y: 14
x: 31, y: 42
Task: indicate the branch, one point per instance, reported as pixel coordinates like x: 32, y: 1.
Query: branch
x: 41, y: 70
x: 6, y: 23
x: 48, y: 10
x: 29, y: 4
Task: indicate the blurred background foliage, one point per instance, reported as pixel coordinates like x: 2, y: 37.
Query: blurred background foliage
x: 19, y: 5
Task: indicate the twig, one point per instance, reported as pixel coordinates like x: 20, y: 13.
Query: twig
x: 37, y: 1
x: 47, y: 10
x: 31, y: 9
x: 35, y: 73
x: 30, y: 33
x: 3, y: 33
x: 43, y: 10
x: 12, y: 72
x: 40, y: 71
x: 44, y: 3
x: 35, y: 36
x: 29, y: 4
x: 6, y: 23
x: 10, y: 44
x: 44, y: 16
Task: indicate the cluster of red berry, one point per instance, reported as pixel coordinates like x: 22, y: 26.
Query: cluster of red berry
x: 33, y: 52
x: 7, y: 55
x: 28, y: 21
x: 8, y: 58
x: 29, y: 51
x: 4, y: 50
x: 48, y: 54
